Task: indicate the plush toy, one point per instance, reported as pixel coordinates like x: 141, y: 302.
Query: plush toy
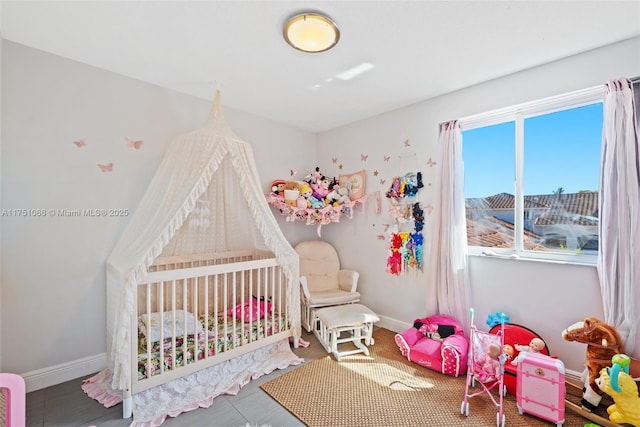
x: 307, y: 193
x: 344, y: 191
x: 291, y: 193
x: 496, y: 318
x: 277, y: 186
x: 332, y: 197
x: 314, y: 176
x: 321, y: 188
x: 618, y: 384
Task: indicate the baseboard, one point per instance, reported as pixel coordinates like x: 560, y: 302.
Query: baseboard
x: 47, y: 377
x: 392, y: 324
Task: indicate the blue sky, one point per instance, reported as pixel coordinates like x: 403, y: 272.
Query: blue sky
x: 561, y: 150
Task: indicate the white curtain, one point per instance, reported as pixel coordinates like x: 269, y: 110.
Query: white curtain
x: 448, y: 245
x: 619, y: 253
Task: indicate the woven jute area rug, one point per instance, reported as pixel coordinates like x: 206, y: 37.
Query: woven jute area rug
x: 385, y: 389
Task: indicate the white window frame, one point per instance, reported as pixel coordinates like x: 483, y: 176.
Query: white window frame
x: 518, y: 113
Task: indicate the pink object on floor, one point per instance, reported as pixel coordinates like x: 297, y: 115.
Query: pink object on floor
x: 436, y: 342
x: 16, y: 396
x: 541, y: 386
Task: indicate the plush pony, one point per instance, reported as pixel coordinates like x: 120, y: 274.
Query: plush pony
x: 618, y: 384
x: 603, y: 342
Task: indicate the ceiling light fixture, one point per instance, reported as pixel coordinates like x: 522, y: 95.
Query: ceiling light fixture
x: 311, y: 32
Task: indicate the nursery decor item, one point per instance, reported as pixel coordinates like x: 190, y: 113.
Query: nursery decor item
x: 319, y: 199
x: 405, y: 247
x: 541, y: 386
x: 514, y: 334
x: 603, y: 342
x: 618, y: 384
x: 190, y: 277
x: 486, y: 366
x: 357, y: 180
x: 436, y: 342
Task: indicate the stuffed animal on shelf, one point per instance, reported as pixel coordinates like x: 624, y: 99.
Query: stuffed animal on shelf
x: 617, y: 383
x: 321, y: 188
x: 344, y: 191
x: 307, y: 193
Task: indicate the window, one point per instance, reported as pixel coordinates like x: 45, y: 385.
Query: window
x: 531, y: 178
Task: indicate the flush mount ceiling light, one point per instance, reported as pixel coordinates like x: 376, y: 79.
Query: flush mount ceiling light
x: 311, y: 32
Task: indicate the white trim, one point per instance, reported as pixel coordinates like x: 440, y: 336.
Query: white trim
x: 53, y: 375
x: 549, y: 105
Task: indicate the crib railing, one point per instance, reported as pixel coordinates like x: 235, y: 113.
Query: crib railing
x: 199, y: 310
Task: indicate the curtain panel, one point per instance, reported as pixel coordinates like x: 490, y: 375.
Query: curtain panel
x: 619, y: 210
x: 447, y: 267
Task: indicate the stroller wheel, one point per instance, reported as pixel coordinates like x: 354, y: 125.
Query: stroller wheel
x: 464, y: 408
x: 501, y: 422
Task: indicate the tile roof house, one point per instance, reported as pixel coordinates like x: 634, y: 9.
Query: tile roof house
x: 550, y: 220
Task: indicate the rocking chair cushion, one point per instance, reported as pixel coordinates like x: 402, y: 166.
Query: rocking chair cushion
x: 332, y: 297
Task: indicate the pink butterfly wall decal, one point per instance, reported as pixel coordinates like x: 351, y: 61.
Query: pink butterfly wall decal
x: 428, y: 208
x: 292, y: 172
x: 382, y: 181
x: 334, y: 160
x: 407, y: 143
x: 80, y: 143
x: 387, y: 158
x: 431, y: 163
x: 106, y: 168
x: 364, y: 157
x: 381, y: 237
x: 386, y: 227
x: 134, y: 143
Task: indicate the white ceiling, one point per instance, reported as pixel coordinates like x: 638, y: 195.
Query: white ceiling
x: 419, y: 49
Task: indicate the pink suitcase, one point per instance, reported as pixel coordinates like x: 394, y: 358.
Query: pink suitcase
x: 540, y: 386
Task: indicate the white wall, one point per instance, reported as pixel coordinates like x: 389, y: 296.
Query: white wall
x: 53, y: 296
x: 543, y: 296
x: 53, y: 275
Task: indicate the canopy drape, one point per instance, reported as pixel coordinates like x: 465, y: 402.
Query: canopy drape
x: 205, y: 197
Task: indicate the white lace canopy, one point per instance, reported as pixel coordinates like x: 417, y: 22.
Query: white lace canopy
x: 205, y: 197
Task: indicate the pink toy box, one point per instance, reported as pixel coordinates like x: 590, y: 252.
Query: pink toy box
x: 541, y: 386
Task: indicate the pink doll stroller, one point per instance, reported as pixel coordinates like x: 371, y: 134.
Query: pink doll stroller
x: 486, y: 366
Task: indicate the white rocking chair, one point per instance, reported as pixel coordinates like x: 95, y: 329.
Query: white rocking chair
x: 323, y: 281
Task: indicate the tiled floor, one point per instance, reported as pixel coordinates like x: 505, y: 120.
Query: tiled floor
x: 66, y: 405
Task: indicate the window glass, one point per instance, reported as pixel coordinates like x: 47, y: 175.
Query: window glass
x: 545, y: 166
x: 488, y: 155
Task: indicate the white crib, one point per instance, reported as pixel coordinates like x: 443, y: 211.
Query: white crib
x: 191, y: 307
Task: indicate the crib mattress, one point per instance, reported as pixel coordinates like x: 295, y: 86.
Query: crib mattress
x: 221, y: 335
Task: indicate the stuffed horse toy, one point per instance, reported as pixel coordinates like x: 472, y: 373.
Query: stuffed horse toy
x: 618, y: 384
x: 603, y: 342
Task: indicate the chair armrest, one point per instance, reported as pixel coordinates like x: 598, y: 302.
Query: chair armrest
x: 305, y: 287
x: 348, y: 280
x: 458, y: 342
